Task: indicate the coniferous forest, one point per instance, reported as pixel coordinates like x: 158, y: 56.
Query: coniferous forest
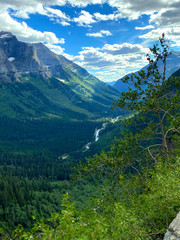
x: 130, y: 189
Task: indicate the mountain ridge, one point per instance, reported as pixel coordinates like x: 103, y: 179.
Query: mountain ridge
x: 49, y: 81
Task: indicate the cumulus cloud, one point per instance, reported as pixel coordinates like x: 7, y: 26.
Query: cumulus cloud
x: 25, y: 33
x: 104, y: 17
x: 102, y: 33
x: 129, y: 8
x: 55, y: 48
x: 84, y: 19
x: 145, y: 28
x: 22, y: 8
x: 171, y: 33
x: 55, y: 15
x: 159, y: 9
x: 167, y: 21
x: 125, y: 48
x: 133, y: 9
x: 114, y: 60
x: 58, y: 16
x: 170, y: 17
x: 84, y: 3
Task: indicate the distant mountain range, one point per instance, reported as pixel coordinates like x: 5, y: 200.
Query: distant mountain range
x: 173, y: 64
x: 35, y: 82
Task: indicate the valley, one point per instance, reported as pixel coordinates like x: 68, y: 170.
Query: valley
x: 50, y: 109
x: 63, y: 130
x: 47, y: 101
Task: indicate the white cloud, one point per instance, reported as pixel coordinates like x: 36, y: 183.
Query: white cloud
x: 102, y: 33
x: 63, y: 23
x: 145, y: 28
x: 21, y: 8
x: 133, y: 9
x: 125, y: 48
x: 68, y: 56
x: 25, y: 33
x: 171, y: 33
x: 58, y: 16
x: 55, y: 48
x: 159, y: 9
x: 57, y: 12
x: 84, y: 19
x: 166, y: 17
x: 113, y: 64
x: 109, y: 75
x: 84, y: 3
x: 54, y: 14
x: 167, y: 21
x: 104, y: 17
x: 129, y: 8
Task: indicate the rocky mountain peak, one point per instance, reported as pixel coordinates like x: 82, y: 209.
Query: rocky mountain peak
x: 5, y: 35
x: 22, y: 57
x: 33, y: 58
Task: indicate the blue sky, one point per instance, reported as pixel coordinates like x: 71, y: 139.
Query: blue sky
x: 109, y: 38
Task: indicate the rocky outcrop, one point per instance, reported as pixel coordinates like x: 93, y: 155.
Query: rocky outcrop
x: 8, y: 72
x: 21, y: 56
x: 173, y: 232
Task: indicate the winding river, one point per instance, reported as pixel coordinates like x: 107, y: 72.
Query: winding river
x: 97, y: 131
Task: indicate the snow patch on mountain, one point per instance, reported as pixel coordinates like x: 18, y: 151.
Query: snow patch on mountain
x: 11, y: 59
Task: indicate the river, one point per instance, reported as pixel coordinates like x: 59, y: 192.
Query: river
x: 97, y: 131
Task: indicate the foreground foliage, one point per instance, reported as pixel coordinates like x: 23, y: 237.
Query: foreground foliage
x: 130, y: 216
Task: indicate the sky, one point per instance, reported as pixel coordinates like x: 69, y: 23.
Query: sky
x: 109, y: 38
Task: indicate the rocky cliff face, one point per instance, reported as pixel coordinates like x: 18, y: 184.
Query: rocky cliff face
x: 173, y: 232
x: 7, y: 70
x: 18, y: 57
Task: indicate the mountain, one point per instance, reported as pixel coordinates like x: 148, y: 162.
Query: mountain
x: 173, y: 64
x: 36, y: 82
x: 111, y: 83
x: 177, y: 73
x: 49, y: 106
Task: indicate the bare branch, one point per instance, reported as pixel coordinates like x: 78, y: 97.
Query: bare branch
x: 165, y: 95
x: 164, y: 116
x: 171, y: 129
x: 166, y: 112
x: 7, y: 236
x: 139, y: 174
x: 154, y: 158
x: 151, y: 234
